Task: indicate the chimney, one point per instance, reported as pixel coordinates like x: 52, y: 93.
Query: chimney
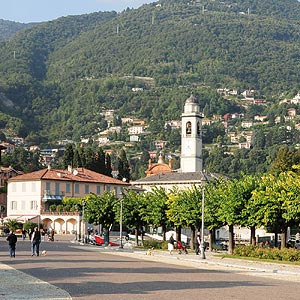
x: 70, y: 169
x: 170, y: 162
x: 49, y: 167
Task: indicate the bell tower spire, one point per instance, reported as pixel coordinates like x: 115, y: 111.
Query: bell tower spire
x: 191, y: 137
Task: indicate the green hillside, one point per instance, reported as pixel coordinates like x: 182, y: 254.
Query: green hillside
x: 57, y: 76
x: 10, y: 28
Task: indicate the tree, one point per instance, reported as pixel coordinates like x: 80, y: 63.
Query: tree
x: 99, y: 209
x: 133, y: 212
x: 184, y: 208
x: 156, y: 207
x: 68, y: 155
x: 108, y: 165
x: 276, y: 203
x: 12, y: 224
x: 284, y: 161
x: 123, y: 166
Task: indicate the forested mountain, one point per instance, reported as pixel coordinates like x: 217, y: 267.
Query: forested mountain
x: 10, y: 28
x: 57, y: 76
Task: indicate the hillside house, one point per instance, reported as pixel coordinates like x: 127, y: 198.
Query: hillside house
x: 173, y: 124
x: 136, y: 129
x: 247, y: 123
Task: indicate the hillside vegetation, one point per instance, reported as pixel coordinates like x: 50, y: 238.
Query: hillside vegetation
x: 56, y: 77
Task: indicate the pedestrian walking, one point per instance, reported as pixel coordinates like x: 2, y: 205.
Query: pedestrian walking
x: 43, y: 234
x: 30, y: 234
x: 35, y: 242
x: 23, y: 234
x: 52, y: 235
x: 171, y: 243
x: 197, y: 243
x: 12, y: 240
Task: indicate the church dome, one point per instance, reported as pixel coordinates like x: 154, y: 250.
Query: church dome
x: 191, y: 100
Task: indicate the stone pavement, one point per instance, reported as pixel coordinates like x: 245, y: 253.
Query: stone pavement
x: 16, y: 285
x: 216, y: 261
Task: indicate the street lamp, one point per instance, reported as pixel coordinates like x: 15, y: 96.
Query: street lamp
x: 202, y: 245
x: 121, y: 222
x: 83, y: 223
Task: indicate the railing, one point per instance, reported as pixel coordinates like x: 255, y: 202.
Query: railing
x: 60, y: 213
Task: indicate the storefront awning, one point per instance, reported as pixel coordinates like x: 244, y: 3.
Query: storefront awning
x: 54, y: 198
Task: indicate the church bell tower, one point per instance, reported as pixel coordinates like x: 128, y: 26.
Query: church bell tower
x: 191, y: 137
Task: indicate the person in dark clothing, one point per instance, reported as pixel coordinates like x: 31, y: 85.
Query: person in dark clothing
x: 30, y: 234
x: 197, y: 243
x: 171, y: 243
x: 35, y: 242
x: 23, y: 234
x: 12, y: 240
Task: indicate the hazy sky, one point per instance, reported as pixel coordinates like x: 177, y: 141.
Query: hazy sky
x: 26, y: 11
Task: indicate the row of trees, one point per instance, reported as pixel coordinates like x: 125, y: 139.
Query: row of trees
x: 270, y: 201
x: 88, y: 157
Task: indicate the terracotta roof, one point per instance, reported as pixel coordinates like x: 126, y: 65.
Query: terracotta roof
x: 158, y: 169
x: 77, y: 174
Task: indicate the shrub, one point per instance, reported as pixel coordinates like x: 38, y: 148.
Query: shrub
x: 155, y: 244
x: 52, y: 207
x: 291, y: 254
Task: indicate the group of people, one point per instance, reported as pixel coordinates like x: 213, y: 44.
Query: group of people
x: 35, y: 236
x: 44, y: 233
x: 180, y: 246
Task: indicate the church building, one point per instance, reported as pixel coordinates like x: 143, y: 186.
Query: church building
x: 190, y: 173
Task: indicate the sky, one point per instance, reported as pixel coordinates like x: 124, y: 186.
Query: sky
x: 26, y: 11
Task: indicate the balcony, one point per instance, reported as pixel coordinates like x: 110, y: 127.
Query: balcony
x: 48, y: 197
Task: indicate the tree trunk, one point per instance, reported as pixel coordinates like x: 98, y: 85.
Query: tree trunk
x: 252, y: 235
x: 136, y: 237
x: 193, y: 237
x: 212, y: 238
x: 164, y: 230
x: 106, y: 239
x: 142, y: 236
x: 231, y: 240
x: 276, y: 237
x: 283, y: 239
x: 178, y: 233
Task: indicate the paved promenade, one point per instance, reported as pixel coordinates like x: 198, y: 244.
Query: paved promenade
x: 16, y: 285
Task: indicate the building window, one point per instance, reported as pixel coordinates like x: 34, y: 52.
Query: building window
x: 14, y: 187
x: 57, y: 188
x: 48, y: 187
x: 87, y: 189
x: 98, y: 189
x: 33, y: 187
x: 68, y: 188
x: 198, y: 128
x: 116, y: 191
x: 33, y: 205
x: 188, y: 127
x: 108, y: 188
x: 13, y: 205
x: 24, y: 187
x: 76, y: 187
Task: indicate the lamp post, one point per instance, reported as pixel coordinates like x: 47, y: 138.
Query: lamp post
x: 121, y: 222
x: 202, y: 245
x: 83, y: 223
